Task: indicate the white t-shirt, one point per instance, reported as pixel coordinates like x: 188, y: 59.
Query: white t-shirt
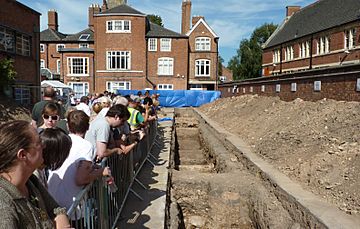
x: 84, y: 107
x: 61, y: 182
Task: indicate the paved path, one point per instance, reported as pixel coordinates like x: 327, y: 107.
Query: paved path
x: 150, y: 212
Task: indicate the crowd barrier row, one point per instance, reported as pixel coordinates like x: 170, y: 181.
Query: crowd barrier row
x: 96, y: 206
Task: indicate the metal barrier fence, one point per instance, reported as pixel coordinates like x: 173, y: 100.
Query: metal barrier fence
x: 96, y: 206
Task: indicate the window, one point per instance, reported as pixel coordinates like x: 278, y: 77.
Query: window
x: 293, y: 87
x: 277, y: 87
x: 83, y: 45
x: 165, y: 86
x: 202, y: 44
x: 202, y: 68
x: 58, y: 66
x: 118, y: 26
x: 42, y: 64
x: 276, y: 56
x: 59, y: 47
x: 23, y: 45
x: 317, y: 85
x: 165, y: 44
x: 304, y: 49
x: 78, y: 65
x: 289, y: 53
x: 118, y: 60
x: 165, y: 66
x: 350, y: 39
x: 7, y: 40
x: 80, y: 88
x: 152, y: 45
x: 84, y: 37
x: 262, y: 88
x: 113, y: 86
x: 42, y: 48
x: 22, y: 95
x: 323, y: 45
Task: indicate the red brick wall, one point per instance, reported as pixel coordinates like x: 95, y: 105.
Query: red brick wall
x: 339, y: 85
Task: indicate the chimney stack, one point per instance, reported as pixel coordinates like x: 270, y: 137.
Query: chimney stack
x: 104, y: 6
x: 195, y: 19
x: 93, y: 9
x: 186, y: 14
x: 290, y: 10
x: 53, y: 20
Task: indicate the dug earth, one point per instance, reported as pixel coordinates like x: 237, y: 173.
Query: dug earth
x: 316, y: 144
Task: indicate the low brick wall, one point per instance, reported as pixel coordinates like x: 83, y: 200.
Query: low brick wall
x: 335, y: 83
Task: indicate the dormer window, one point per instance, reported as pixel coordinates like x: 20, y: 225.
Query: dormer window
x: 83, y: 45
x: 59, y: 47
x: 84, y: 37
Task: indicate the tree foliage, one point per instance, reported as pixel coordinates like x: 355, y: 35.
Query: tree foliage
x: 220, y: 65
x: 247, y: 62
x: 155, y: 19
x: 7, y: 72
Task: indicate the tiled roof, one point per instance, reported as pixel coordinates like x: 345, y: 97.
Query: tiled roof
x: 158, y: 31
x: 319, y: 16
x: 122, y: 9
x: 51, y: 35
x: 76, y: 37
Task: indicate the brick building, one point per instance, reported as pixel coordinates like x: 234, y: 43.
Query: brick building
x: 321, y: 35
x: 122, y: 49
x: 19, y: 41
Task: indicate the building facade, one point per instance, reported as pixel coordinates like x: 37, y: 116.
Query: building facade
x: 122, y: 49
x: 19, y: 41
x: 322, y: 35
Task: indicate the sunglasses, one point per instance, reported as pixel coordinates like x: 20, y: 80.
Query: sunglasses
x: 52, y: 117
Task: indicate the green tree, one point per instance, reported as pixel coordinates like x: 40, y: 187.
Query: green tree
x: 247, y: 62
x: 7, y: 73
x: 155, y: 19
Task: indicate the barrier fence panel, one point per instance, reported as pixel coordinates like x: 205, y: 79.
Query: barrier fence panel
x: 96, y: 206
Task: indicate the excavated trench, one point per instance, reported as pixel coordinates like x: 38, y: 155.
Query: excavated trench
x: 211, y: 188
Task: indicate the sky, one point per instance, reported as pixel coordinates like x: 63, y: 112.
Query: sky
x: 231, y: 20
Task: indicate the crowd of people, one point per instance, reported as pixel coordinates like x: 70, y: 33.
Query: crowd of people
x: 44, y: 164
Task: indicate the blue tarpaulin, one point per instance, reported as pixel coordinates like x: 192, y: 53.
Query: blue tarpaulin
x: 179, y: 98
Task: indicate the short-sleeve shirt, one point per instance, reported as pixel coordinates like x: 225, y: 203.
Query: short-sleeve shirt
x: 99, y: 131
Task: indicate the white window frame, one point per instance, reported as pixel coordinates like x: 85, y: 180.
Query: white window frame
x: 165, y: 66
x: 289, y: 53
x: 277, y: 88
x: 118, y: 26
x: 203, y: 44
x: 84, y: 45
x: 113, y: 86
x: 85, y: 89
x: 202, y: 68
x: 317, y: 85
x: 350, y: 38
x: 42, y: 64
x: 122, y: 60
x: 58, y: 46
x: 84, y: 68
x: 304, y: 49
x: 165, y: 87
x: 42, y: 48
x: 323, y: 45
x: 276, y: 56
x: 165, y: 44
x: 152, y: 44
x: 58, y: 66
x: 23, y: 44
x: 293, y: 87
x: 84, y: 39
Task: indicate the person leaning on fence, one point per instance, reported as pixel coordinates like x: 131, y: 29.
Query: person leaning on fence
x: 24, y: 201
x: 136, y: 120
x: 49, y: 96
x: 78, y: 170
x: 100, y: 130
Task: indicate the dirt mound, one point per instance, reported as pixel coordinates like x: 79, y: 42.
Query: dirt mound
x: 314, y: 143
x: 10, y: 110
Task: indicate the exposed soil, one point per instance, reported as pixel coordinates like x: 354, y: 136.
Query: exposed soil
x: 314, y: 143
